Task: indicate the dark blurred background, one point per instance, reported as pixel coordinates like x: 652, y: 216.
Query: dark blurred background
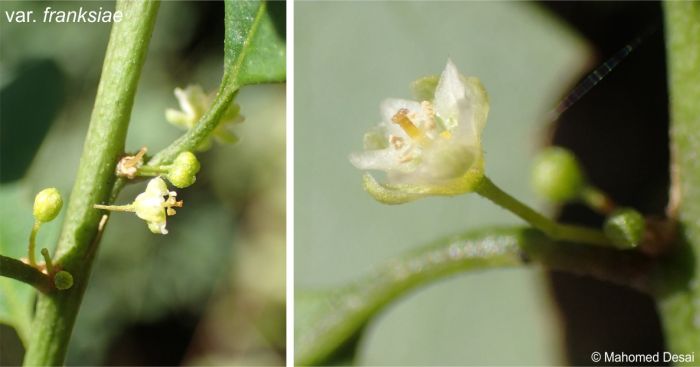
x: 619, y: 131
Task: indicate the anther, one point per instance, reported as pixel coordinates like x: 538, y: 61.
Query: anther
x: 396, y: 141
x: 401, y: 118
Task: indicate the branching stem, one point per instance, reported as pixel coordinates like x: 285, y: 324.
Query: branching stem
x: 104, y: 145
x: 348, y: 309
x: 16, y: 269
x: 32, y: 243
x: 557, y: 231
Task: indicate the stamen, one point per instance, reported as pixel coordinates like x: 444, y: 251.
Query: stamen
x: 170, y: 204
x: 428, y: 110
x: 396, y: 141
x: 401, y: 119
x: 128, y: 166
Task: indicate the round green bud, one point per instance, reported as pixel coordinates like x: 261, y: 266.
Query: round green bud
x: 557, y: 175
x: 63, y: 280
x: 625, y: 228
x: 47, y: 204
x: 183, y: 170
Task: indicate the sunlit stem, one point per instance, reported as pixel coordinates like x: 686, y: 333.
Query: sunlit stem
x: 32, y: 243
x: 115, y: 208
x: 597, y: 200
x: 152, y: 170
x: 554, y: 230
x: 47, y: 260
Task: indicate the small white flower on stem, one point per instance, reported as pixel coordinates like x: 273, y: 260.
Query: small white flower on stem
x: 194, y: 103
x: 428, y: 147
x: 153, y: 205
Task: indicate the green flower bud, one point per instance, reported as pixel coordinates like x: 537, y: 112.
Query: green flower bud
x: 625, y: 228
x: 47, y: 204
x: 63, y: 280
x: 183, y: 170
x: 557, y: 175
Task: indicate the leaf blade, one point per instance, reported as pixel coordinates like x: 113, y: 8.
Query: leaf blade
x: 254, y: 45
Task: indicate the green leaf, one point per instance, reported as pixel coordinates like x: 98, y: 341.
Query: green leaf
x: 254, y: 46
x: 254, y: 53
x: 329, y: 324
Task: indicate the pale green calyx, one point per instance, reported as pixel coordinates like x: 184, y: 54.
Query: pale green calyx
x: 153, y: 205
x: 182, y: 173
x: 47, y: 205
x: 194, y: 103
x: 431, y: 147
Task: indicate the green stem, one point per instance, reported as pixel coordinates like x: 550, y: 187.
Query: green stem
x: 104, y: 144
x: 15, y: 269
x: 597, y: 200
x: 32, y: 243
x: 115, y: 208
x: 152, y: 170
x: 557, y: 231
x: 679, y: 298
x: 345, y: 312
x: 195, y: 136
x: 47, y: 261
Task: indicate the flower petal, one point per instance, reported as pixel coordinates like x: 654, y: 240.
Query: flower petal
x: 157, y: 228
x: 384, y: 159
x: 157, y: 187
x: 449, y: 95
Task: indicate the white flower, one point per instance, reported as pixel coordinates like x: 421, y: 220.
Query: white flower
x: 432, y: 147
x: 153, y: 207
x: 194, y: 103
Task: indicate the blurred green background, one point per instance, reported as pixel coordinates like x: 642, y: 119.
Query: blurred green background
x: 212, y: 292
x: 349, y: 56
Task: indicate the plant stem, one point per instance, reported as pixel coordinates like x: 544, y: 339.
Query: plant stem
x: 115, y: 208
x: 557, y: 231
x: 349, y: 309
x: 32, y: 243
x: 16, y: 269
x: 152, y: 170
x: 47, y: 261
x: 597, y: 200
x: 201, y: 130
x: 679, y: 291
x: 104, y: 144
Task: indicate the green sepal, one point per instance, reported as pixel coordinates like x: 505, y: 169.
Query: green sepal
x: 403, y: 193
x: 424, y: 88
